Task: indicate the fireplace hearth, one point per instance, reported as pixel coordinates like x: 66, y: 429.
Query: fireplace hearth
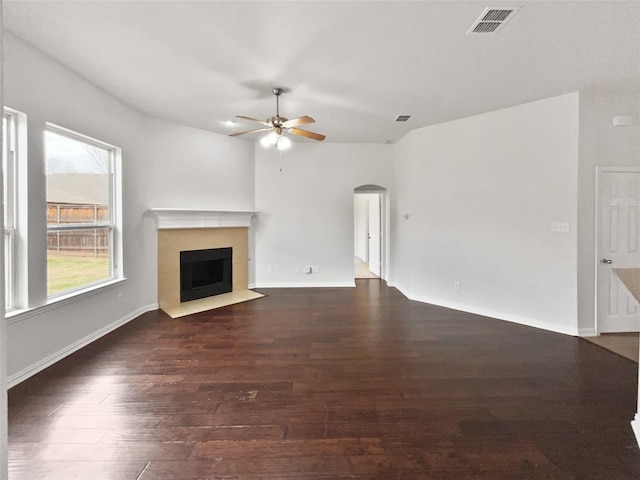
x: 205, y: 273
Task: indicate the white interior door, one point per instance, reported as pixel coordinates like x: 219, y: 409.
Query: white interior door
x: 374, y: 235
x: 618, y: 247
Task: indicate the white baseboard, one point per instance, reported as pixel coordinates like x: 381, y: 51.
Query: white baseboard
x: 635, y: 425
x: 529, y: 322
x: 587, y: 332
x: 37, y: 367
x: 306, y: 285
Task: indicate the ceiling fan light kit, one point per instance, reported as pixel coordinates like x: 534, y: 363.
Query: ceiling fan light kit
x: 277, y: 140
x: 278, y: 125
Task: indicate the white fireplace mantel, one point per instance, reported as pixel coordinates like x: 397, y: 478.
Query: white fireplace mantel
x: 199, y: 218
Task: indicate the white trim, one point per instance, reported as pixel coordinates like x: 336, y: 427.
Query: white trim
x: 21, y: 279
x: 306, y: 285
x: 635, y: 426
x: 16, y: 133
x: 617, y: 168
x: 599, y: 171
x: 385, y: 225
x: 587, y: 332
x: 528, y: 322
x: 79, y: 137
x: 201, y: 218
x: 37, y: 367
x: 63, y: 299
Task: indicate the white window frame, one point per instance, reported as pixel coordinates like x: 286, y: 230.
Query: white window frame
x: 10, y: 213
x: 114, y: 223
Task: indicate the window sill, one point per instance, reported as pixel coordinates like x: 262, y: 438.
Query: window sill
x: 18, y: 315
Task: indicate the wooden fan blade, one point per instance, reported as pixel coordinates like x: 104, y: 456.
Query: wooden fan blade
x: 250, y: 131
x: 306, y: 133
x: 294, y: 122
x: 253, y: 120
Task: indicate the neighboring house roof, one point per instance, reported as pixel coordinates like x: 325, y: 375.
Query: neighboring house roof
x: 78, y: 188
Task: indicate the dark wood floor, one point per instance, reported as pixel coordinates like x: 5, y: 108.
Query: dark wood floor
x: 328, y: 384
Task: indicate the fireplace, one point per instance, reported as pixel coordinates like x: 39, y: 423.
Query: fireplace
x: 205, y: 273
x: 191, y: 230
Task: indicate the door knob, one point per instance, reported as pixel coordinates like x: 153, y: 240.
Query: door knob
x: 607, y: 261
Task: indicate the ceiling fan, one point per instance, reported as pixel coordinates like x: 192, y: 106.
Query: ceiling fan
x: 278, y: 125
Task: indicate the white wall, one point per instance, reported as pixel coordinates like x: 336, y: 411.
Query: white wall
x: 164, y: 165
x: 481, y: 194
x: 601, y: 144
x: 305, y: 199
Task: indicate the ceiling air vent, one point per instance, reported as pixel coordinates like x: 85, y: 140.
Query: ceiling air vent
x: 402, y: 118
x: 492, y: 20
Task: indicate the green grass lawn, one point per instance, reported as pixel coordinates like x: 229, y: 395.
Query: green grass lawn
x: 65, y: 273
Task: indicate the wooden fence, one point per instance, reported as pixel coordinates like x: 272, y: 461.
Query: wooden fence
x: 90, y: 242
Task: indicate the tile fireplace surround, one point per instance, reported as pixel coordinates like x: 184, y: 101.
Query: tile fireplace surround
x: 190, y: 229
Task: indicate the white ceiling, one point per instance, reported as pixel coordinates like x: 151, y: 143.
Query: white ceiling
x: 352, y: 65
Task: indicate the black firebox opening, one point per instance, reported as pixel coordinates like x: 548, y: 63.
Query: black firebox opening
x: 205, y: 273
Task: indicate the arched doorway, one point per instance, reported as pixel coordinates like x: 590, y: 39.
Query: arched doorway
x: 368, y: 231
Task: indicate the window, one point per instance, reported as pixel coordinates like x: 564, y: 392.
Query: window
x: 83, y: 237
x: 9, y: 167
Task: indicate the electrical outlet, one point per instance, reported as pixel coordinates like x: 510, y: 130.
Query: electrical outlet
x: 314, y: 269
x: 269, y: 269
x: 560, y: 227
x: 120, y: 297
x: 457, y: 286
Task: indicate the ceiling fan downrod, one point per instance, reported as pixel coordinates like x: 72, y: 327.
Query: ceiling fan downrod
x: 277, y: 91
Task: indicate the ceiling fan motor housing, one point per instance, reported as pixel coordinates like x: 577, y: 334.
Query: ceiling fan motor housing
x: 277, y: 121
